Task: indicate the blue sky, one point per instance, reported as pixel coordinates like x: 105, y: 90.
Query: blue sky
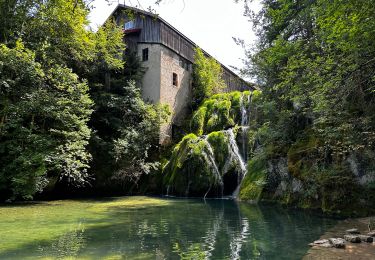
x: 209, y: 23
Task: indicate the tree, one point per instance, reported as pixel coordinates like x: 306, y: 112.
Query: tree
x: 126, y: 129
x: 207, y: 77
x: 47, y: 55
x: 315, y: 61
x: 43, y: 131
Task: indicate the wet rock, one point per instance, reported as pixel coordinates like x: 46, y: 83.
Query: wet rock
x: 352, y: 238
x: 321, y: 243
x: 371, y: 234
x: 297, y: 185
x: 365, y: 238
x: 337, y: 242
x: 352, y: 231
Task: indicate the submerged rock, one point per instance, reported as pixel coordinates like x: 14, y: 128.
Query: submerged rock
x: 365, y: 238
x: 352, y: 238
x: 352, y: 231
x: 337, y: 242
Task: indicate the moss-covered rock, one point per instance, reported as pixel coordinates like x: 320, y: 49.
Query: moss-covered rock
x: 305, y: 179
x: 203, y: 165
x: 255, y: 179
x: 221, y: 111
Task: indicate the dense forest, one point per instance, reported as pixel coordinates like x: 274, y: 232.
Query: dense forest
x: 72, y: 117
x: 64, y: 122
x: 315, y: 61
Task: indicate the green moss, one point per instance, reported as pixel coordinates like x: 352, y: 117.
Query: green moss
x: 219, y: 112
x: 188, y: 171
x: 339, y: 191
x: 254, y: 181
x: 219, y: 143
x: 198, y: 121
x: 301, y: 154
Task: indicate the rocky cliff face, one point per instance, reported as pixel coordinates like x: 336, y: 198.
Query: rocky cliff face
x: 346, y: 190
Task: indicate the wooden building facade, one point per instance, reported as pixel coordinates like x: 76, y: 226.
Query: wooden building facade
x: 150, y: 28
x: 168, y: 56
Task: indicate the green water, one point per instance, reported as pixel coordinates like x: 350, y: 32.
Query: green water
x: 151, y: 228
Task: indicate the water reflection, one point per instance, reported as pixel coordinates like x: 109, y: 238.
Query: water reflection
x: 184, y: 229
x: 67, y: 245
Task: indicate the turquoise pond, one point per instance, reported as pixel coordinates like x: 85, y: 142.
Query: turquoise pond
x: 156, y: 228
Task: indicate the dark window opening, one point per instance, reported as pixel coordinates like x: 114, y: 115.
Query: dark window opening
x: 175, y: 79
x: 145, y: 54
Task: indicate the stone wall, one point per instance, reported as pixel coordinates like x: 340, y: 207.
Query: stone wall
x: 177, y: 97
x: 157, y: 84
x: 151, y: 79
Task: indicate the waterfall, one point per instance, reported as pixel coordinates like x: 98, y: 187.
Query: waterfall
x: 244, y: 118
x: 232, y: 143
x: 210, y: 159
x: 245, y: 125
x: 235, y: 152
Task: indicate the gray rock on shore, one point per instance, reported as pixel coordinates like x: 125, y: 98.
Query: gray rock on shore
x: 332, y: 242
x: 337, y: 242
x: 365, y: 238
x: 352, y: 238
x: 321, y: 243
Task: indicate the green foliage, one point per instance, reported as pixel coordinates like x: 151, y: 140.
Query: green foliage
x: 316, y: 108
x: 207, y: 77
x: 318, y: 70
x: 48, y: 58
x: 109, y: 46
x: 126, y: 129
x: 43, y: 131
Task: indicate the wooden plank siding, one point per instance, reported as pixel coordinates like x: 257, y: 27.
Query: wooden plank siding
x: 173, y: 40
x: 150, y: 29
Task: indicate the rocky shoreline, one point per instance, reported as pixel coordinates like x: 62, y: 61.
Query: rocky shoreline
x: 349, y: 239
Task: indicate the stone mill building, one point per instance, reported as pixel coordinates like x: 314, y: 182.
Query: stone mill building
x: 168, y: 57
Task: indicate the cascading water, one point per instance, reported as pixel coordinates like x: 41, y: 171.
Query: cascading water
x: 228, y: 146
x: 210, y: 158
x: 245, y: 121
x: 234, y: 155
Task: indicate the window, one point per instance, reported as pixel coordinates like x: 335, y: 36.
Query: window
x: 175, y: 80
x: 184, y: 63
x: 145, y: 54
x: 129, y: 25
